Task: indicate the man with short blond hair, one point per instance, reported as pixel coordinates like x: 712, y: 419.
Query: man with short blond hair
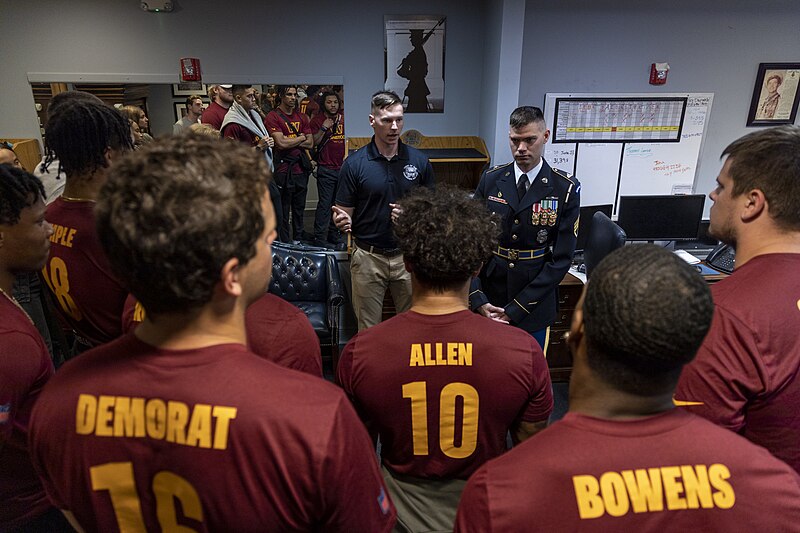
x: 214, y: 114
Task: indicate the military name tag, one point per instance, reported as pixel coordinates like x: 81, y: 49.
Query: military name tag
x: 498, y: 200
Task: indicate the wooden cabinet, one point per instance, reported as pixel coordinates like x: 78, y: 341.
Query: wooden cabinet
x: 559, y: 358
x: 456, y: 160
x: 28, y: 152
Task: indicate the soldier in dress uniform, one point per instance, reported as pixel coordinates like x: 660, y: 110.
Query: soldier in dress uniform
x: 538, y: 208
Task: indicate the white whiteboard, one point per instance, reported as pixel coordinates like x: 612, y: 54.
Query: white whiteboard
x: 608, y: 170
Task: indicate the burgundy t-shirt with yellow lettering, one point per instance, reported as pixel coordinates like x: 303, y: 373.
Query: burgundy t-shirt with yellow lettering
x: 671, y: 472
x: 89, y: 297
x: 278, y: 122
x: 332, y: 154
x: 443, y: 390
x: 214, y: 439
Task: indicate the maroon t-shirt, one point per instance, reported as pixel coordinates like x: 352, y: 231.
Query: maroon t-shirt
x: 240, y: 133
x: 276, y: 123
x: 89, y: 296
x: 309, y: 106
x: 669, y: 472
x: 276, y: 330
x: 25, y: 367
x: 443, y: 390
x: 214, y: 438
x: 332, y: 154
x: 213, y: 115
x: 746, y: 376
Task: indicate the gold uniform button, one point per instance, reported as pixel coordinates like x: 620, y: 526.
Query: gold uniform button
x: 516, y: 221
x: 511, y: 265
x: 513, y: 237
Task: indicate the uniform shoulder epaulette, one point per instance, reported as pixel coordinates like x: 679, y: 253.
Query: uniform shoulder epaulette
x: 499, y: 167
x: 564, y: 174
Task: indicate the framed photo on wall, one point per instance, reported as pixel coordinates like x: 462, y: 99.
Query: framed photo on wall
x: 180, y: 111
x: 776, y: 95
x: 413, y: 60
x: 188, y: 89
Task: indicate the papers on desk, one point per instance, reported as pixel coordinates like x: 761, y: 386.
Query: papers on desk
x: 686, y: 256
x: 580, y: 275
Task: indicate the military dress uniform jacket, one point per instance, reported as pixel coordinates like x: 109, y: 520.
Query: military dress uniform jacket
x: 537, y: 242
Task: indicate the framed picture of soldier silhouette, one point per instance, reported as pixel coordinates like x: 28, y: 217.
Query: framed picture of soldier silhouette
x: 413, y: 60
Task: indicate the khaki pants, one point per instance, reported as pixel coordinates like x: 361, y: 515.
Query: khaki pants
x: 371, y: 275
x: 423, y: 505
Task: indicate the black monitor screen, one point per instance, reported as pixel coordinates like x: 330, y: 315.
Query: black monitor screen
x: 587, y: 212
x: 661, y: 218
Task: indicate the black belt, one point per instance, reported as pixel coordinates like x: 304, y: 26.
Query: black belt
x: 388, y: 252
x: 521, y: 255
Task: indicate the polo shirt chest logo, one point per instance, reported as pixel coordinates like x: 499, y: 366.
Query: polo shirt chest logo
x: 410, y: 172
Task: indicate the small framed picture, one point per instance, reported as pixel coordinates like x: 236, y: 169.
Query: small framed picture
x: 776, y: 95
x: 180, y: 111
x: 188, y: 89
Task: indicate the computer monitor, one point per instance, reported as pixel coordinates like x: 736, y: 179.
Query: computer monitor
x: 587, y: 212
x: 661, y: 218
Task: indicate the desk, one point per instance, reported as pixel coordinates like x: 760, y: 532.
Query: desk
x: 559, y: 358
x: 457, y: 160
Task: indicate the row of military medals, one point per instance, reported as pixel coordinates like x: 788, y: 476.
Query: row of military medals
x: 544, y: 213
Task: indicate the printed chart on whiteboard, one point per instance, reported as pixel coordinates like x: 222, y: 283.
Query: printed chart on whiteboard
x: 618, y: 119
x: 638, y: 143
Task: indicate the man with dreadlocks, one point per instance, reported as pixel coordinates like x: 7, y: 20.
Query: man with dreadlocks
x: 86, y: 136
x: 49, y: 169
x: 25, y: 363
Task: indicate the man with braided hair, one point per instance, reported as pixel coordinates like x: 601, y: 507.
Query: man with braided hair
x: 623, y: 458
x: 86, y: 136
x: 440, y: 385
x: 49, y: 169
x: 25, y: 364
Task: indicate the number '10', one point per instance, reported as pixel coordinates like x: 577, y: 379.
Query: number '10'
x: 416, y: 392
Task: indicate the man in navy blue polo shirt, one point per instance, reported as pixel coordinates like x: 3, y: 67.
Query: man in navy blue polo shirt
x: 372, y: 182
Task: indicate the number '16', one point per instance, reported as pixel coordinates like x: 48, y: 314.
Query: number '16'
x: 416, y: 392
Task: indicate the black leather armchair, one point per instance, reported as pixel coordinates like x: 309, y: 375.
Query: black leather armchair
x: 604, y: 237
x: 309, y: 278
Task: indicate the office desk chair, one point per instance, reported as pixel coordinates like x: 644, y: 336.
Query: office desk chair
x: 604, y: 237
x: 308, y: 278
